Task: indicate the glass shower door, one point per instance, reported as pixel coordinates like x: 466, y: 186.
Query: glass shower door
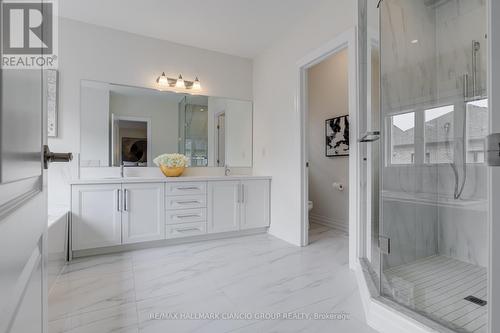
x: 434, y: 190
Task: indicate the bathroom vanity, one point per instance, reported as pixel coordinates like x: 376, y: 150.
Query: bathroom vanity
x: 109, y: 215
x: 120, y: 200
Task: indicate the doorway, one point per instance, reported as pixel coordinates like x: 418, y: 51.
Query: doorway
x: 334, y: 129
x: 328, y: 144
x: 131, y: 141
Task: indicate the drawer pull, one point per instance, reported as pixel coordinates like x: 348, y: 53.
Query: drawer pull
x: 188, y: 229
x: 188, y: 188
x: 188, y: 202
x: 188, y: 216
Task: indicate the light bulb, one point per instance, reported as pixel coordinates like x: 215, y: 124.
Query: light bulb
x: 180, y: 83
x: 162, y: 80
x: 196, y: 84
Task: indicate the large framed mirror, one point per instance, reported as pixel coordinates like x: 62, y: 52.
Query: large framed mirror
x: 130, y: 126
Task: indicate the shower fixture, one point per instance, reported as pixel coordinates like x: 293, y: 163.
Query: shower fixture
x: 476, y: 94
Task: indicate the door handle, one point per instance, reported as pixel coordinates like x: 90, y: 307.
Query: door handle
x: 371, y: 136
x: 50, y: 157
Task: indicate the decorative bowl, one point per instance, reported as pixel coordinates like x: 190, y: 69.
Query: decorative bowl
x: 171, y: 172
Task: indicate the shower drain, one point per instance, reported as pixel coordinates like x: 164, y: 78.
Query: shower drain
x: 476, y: 300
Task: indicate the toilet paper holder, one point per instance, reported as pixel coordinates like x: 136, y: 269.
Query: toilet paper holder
x: 338, y: 186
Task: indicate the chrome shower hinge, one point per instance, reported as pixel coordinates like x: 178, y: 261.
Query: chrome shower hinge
x: 384, y: 244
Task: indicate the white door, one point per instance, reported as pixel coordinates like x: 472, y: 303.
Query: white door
x: 223, y: 206
x: 23, y: 203
x: 255, y: 204
x: 96, y: 216
x: 143, y: 216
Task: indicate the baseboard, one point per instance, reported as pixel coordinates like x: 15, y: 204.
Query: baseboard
x: 329, y: 222
x: 166, y: 242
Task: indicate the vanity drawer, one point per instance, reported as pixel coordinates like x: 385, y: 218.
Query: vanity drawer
x: 186, y: 188
x: 186, y: 229
x: 186, y: 201
x: 186, y: 216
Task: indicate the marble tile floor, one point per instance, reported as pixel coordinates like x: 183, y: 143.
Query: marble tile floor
x: 250, y: 276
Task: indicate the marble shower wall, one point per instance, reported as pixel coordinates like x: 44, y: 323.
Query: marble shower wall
x: 408, y: 57
x: 425, y: 50
x: 458, y: 23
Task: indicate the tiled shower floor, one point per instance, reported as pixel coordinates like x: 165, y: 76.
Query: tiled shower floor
x: 436, y: 287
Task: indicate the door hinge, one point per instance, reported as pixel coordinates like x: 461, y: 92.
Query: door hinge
x: 384, y: 245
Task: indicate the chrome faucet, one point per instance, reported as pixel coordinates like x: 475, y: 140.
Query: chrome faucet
x: 227, y: 171
x: 122, y: 170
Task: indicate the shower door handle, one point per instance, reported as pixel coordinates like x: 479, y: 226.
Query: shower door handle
x: 371, y: 136
x: 493, y: 149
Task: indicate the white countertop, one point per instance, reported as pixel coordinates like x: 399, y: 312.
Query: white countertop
x: 119, y: 180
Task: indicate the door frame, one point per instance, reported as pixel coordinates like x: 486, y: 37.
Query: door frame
x: 494, y: 172
x: 216, y: 137
x: 346, y: 40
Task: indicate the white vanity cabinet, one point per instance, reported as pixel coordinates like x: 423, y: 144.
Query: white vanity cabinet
x: 96, y: 218
x: 254, y: 204
x: 113, y: 214
x: 143, y: 212
x: 238, y: 205
x: 186, y: 209
x: 223, y: 206
x: 109, y: 214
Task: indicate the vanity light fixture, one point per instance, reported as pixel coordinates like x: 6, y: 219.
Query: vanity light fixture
x: 180, y: 82
x: 165, y: 82
x: 197, y: 84
x: 162, y: 80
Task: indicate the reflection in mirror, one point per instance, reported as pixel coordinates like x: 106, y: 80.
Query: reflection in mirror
x: 131, y: 126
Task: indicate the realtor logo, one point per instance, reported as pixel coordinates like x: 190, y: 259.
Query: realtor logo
x: 29, y: 39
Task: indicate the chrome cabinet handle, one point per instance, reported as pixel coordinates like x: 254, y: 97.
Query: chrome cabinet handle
x: 188, y: 216
x: 188, y: 202
x: 371, y: 136
x: 242, y: 193
x: 188, y: 188
x: 125, y: 201
x: 187, y: 229
x: 118, y: 200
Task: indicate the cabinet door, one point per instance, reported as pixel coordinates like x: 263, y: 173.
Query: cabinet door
x: 255, y: 204
x: 96, y: 216
x: 143, y: 216
x: 223, y: 206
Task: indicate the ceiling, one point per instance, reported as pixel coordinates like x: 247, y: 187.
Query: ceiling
x: 237, y: 27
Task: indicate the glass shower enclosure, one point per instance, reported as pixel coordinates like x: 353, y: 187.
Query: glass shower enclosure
x: 431, y: 189
x: 193, y: 129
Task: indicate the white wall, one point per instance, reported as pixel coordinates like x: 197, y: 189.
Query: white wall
x: 95, y: 124
x: 276, y: 120
x: 327, y: 98
x: 163, y: 112
x: 102, y: 54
